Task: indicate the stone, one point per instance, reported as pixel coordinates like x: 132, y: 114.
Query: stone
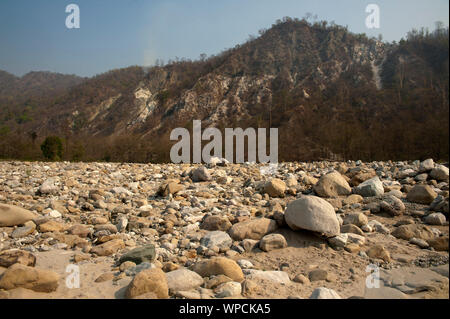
x: 379, y: 252
x: 25, y: 230
x: 21, y: 276
x: 440, y: 173
x: 249, y: 244
x: 126, y: 265
x: 272, y: 242
x: 11, y: 215
x: 215, y: 222
x: 419, y: 242
x: 301, y: 279
x: 318, y: 274
x: 228, y: 289
x: 426, y: 165
x: 183, y: 280
x: 139, y: 255
x: 79, y: 230
x: 51, y: 226
x: 439, y: 244
x: 353, y: 199
x: 357, y: 219
x: 275, y: 276
x: 421, y: 194
x: 378, y: 227
x: 392, y: 205
x: 384, y: 293
x: 338, y: 241
x: 16, y: 256
x: 48, y: 187
x: 370, y: 188
x: 216, y: 281
x: 149, y: 281
x: 352, y: 248
x: 435, y: 219
x: 169, y: 187
x: 105, y: 277
x: 201, y: 174
x: 350, y: 228
x: 219, y: 266
x: 217, y: 238
x: 275, y: 187
x: 332, y: 185
x: 245, y: 264
x: 324, y: 293
x: 254, y: 228
x: 108, y: 248
x: 314, y: 214
x: 407, y: 232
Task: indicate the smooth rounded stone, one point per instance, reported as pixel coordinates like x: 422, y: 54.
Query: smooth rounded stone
x: 324, y: 293
x: 435, y: 219
x: 440, y: 173
x: 379, y: 252
x: 245, y: 264
x: 275, y: 187
x: 358, y: 219
x: 21, y: 276
x: 182, y: 280
x: 219, y: 266
x: 426, y: 165
x: 216, y: 222
x: 353, y: 199
x: 126, y: 265
x: 79, y: 230
x: 216, y: 281
x: 352, y: 248
x: 254, y: 228
x: 350, y: 228
x: 149, y: 281
x: 228, y: 289
x: 421, y: 177
x: 108, y: 276
x: 201, y: 174
x: 23, y: 231
x: 301, y: 279
x: 11, y: 215
x: 217, y: 238
x: 419, y: 242
x: 139, y: 255
x: 370, y: 188
x: 109, y: 248
x: 421, y: 194
x: 276, y: 276
x: 332, y: 185
x: 409, y: 231
x: 312, y: 213
x: 291, y: 181
x: 395, y: 192
x: 16, y: 256
x: 439, y: 244
x: 392, y: 205
x: 318, y: 274
x: 356, y: 239
x: 52, y: 226
x: 169, y: 187
x: 272, y: 241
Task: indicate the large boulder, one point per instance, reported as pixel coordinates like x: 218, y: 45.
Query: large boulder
x: 370, y: 188
x: 255, y: 228
x: 332, y: 185
x: 152, y: 281
x: 422, y: 194
x: 16, y: 256
x: 21, y: 276
x: 314, y: 214
x: 11, y: 215
x: 407, y: 232
x: 219, y: 266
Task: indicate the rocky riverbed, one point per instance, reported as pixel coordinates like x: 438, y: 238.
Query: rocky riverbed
x: 297, y: 230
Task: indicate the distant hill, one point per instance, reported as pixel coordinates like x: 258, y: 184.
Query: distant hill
x: 331, y: 93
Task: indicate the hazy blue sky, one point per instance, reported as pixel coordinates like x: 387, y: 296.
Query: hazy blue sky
x: 120, y: 33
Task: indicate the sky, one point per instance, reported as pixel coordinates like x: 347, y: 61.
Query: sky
x: 120, y: 33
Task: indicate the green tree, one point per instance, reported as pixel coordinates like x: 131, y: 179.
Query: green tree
x: 52, y: 148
